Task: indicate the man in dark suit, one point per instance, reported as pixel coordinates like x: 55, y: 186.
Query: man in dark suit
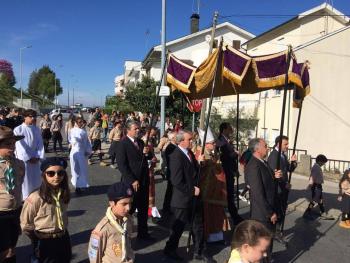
x: 286, y: 167
x: 229, y: 160
x: 132, y: 164
x: 169, y: 189
x: 183, y: 172
x: 262, y: 181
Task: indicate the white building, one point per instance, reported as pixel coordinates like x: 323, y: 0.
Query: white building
x: 322, y: 36
x: 132, y: 74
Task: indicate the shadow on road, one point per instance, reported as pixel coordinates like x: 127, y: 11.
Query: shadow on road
x: 73, y: 213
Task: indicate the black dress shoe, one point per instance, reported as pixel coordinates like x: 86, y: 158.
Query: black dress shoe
x: 172, y: 254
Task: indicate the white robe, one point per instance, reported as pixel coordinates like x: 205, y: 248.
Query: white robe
x: 81, y: 149
x: 30, y: 147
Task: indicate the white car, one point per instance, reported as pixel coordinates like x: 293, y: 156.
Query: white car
x: 65, y: 113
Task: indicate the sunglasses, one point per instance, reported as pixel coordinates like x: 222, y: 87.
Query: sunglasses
x: 60, y: 173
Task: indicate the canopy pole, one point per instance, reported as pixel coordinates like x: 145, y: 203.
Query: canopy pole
x: 182, y: 110
x: 237, y: 141
x: 289, y: 56
x: 218, y: 63
x: 294, y: 150
x: 204, y: 106
x: 193, y: 120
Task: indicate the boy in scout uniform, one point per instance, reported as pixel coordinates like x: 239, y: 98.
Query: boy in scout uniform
x: 95, y: 134
x: 110, y: 241
x: 11, y: 179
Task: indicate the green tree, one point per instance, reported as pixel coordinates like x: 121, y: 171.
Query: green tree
x: 7, y: 82
x: 246, y: 123
x: 42, y: 83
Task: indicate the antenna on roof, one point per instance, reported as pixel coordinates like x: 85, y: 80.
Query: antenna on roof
x: 198, y: 5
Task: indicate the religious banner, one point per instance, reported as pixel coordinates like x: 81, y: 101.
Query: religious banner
x: 236, y: 65
x: 270, y: 70
x: 179, y: 74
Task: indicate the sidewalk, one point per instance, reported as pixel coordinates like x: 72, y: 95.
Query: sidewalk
x: 299, y: 197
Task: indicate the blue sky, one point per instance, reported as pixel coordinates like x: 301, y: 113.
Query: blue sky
x: 92, y: 39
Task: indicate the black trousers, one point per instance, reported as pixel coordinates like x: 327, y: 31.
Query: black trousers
x: 55, y: 250
x: 182, y: 217
x: 57, y: 137
x: 141, y: 202
x: 230, y: 183
x: 283, y: 204
x: 167, y: 197
x: 10, y: 228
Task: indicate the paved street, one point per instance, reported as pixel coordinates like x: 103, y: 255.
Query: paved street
x: 309, y: 240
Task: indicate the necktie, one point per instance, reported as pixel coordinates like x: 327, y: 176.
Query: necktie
x: 189, y: 156
x: 58, y: 209
x: 9, y: 175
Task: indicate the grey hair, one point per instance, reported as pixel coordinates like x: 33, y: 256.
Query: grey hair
x: 130, y: 123
x: 253, y: 144
x: 180, y: 136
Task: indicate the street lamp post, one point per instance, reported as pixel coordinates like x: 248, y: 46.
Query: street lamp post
x: 20, y: 66
x: 60, y: 66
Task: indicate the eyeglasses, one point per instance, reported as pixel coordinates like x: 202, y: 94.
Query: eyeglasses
x: 30, y: 116
x: 60, y: 173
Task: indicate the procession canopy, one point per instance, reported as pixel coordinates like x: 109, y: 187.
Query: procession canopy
x: 237, y: 73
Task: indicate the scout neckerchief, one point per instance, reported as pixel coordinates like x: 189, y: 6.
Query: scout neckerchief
x: 56, y: 198
x: 120, y: 229
x: 9, y: 175
x: 235, y: 257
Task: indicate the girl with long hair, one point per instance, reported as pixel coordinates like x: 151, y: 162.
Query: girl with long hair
x: 44, y: 216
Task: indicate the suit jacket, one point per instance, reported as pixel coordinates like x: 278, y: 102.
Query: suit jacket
x: 131, y: 163
x: 228, y: 155
x: 183, y: 173
x: 168, y: 150
x: 286, y: 167
x: 262, y: 190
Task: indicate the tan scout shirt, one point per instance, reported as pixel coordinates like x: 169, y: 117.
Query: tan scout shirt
x: 95, y: 133
x: 105, y: 244
x: 40, y: 216
x: 115, y: 134
x: 13, y: 199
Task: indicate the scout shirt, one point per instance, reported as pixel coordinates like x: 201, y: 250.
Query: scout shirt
x: 41, y: 216
x: 105, y: 244
x: 45, y: 124
x: 95, y: 133
x: 115, y: 134
x: 11, y: 189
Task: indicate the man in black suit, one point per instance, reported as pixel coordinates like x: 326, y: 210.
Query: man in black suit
x: 262, y: 181
x: 286, y: 167
x: 183, y: 172
x: 229, y: 160
x: 169, y: 189
x: 132, y: 164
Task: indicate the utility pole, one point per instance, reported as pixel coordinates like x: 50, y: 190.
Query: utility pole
x: 212, y: 39
x: 20, y: 66
x: 162, y: 98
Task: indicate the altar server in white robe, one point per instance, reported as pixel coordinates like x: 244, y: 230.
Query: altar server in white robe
x: 81, y: 149
x: 30, y: 150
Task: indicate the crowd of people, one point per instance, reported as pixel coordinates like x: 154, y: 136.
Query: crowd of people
x: 35, y: 193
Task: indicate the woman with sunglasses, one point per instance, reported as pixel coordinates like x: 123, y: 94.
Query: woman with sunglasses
x: 44, y: 215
